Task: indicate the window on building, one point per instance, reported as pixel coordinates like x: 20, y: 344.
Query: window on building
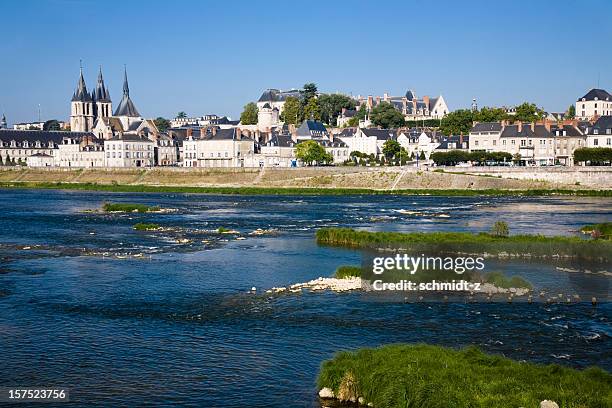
x: 494, y: 142
x: 595, y: 142
x: 523, y: 142
x: 609, y: 141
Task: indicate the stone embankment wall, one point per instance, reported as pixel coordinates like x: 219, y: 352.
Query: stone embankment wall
x: 595, y: 177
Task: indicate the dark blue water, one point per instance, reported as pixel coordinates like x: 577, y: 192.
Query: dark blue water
x: 129, y: 318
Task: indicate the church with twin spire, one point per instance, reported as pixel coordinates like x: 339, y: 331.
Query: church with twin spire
x: 92, y: 112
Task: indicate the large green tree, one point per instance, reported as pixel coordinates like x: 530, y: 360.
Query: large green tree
x: 181, y: 115
x: 311, y: 110
x: 292, y: 111
x: 249, y: 114
x: 308, y: 92
x: 527, y: 112
x: 310, y: 152
x: 162, y: 124
x: 386, y: 116
x: 391, y: 148
x: 332, y: 104
x: 487, y: 114
x: 458, y: 122
x: 571, y: 112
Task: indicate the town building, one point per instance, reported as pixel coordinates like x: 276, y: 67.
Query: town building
x: 418, y: 141
x: 83, y: 152
x: 218, y: 148
x: 596, y: 102
x: 345, y: 116
x: 600, y: 133
x: 276, y: 98
x: 412, y: 107
x: 368, y: 140
x: 18, y: 145
x: 129, y: 150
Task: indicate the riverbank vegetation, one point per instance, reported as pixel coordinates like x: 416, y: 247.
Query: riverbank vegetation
x: 143, y: 188
x: 470, y: 243
x: 128, y: 207
x: 348, y: 271
x: 601, y: 231
x: 403, y: 375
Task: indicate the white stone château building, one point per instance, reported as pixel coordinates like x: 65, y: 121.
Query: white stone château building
x: 413, y: 108
x: 596, y: 102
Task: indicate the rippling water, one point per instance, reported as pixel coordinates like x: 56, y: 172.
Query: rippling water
x: 125, y: 317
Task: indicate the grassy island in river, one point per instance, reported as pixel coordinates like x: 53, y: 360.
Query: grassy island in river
x: 426, y: 376
x: 471, y: 243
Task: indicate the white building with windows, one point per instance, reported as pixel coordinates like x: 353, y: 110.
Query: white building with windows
x: 129, y: 151
x: 600, y: 134
x: 596, y: 102
x: 218, y: 148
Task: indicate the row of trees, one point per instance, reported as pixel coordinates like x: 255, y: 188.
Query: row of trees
x: 8, y: 161
x: 323, y: 107
x: 454, y: 157
x: 595, y: 156
x: 461, y: 121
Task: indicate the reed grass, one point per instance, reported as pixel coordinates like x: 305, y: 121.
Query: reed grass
x: 427, y: 376
x: 128, y: 207
x: 470, y: 243
x: 142, y: 226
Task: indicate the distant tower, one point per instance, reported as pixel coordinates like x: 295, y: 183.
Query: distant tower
x: 103, y: 106
x: 3, y: 122
x: 126, y: 106
x: 81, y: 108
x: 474, y: 105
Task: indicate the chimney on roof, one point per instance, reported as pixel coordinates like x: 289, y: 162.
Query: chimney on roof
x: 532, y: 125
x: 426, y: 101
x: 503, y: 122
x: 378, y: 100
x: 238, y: 133
x: 520, y: 126
x: 370, y: 101
x: 404, y: 105
x: 189, y: 132
x: 547, y: 125
x: 214, y: 130
x: 385, y: 97
x: 414, y: 106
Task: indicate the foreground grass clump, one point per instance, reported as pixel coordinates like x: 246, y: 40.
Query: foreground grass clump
x: 128, y: 207
x: 347, y: 271
x: 143, y: 226
x: 603, y: 230
x: 470, y: 243
x: 425, y: 376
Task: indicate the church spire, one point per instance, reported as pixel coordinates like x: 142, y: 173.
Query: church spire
x: 101, y: 93
x: 80, y: 94
x: 3, y: 122
x: 126, y: 106
x: 126, y: 88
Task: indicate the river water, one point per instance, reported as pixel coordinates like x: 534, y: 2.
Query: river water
x: 132, y: 318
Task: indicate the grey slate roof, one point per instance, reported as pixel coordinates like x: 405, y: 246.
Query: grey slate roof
x: 280, y: 141
x: 43, y: 136
x: 569, y: 131
x: 410, y: 95
x: 380, y: 134
x: 80, y: 94
x: 513, y: 131
x: 101, y: 94
x: 126, y: 106
x: 310, y: 128
x: 600, y: 94
x: 130, y: 137
x: 274, y: 95
x: 486, y: 127
x: 603, y: 123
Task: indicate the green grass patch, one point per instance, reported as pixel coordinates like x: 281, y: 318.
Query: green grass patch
x: 347, y: 271
x: 426, y: 376
x: 603, y: 230
x: 470, y: 243
x: 301, y: 191
x: 143, y: 226
x: 128, y: 207
x: 501, y: 281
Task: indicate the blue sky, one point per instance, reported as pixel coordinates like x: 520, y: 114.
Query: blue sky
x: 214, y: 57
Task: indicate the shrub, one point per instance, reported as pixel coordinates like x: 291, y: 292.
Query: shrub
x: 128, y: 207
x: 500, y: 229
x: 347, y: 271
x: 596, y: 156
